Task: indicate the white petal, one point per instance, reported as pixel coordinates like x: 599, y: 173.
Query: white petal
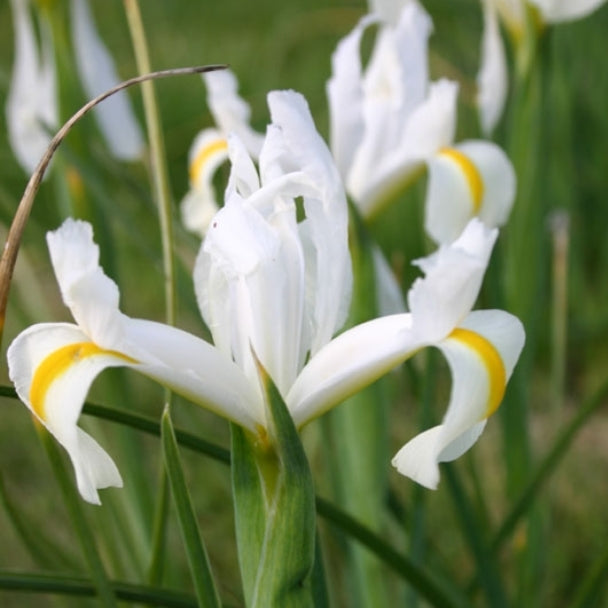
x: 430, y: 127
x: 555, y: 11
x: 441, y: 300
x: 351, y: 361
x: 492, y: 79
x: 474, y: 178
x: 208, y: 152
x: 481, y: 355
x: 115, y: 116
x: 53, y: 383
x: 31, y: 106
x: 231, y: 112
x: 345, y: 96
x: 303, y: 150
x: 91, y: 296
x: 195, y: 369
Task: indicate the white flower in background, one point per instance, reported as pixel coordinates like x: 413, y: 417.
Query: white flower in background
x: 492, y: 79
x: 481, y: 348
x: 209, y: 149
x: 31, y: 106
x: 388, y: 121
x: 97, y: 72
x: 31, y: 109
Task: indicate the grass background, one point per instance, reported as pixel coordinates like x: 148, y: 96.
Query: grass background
x: 272, y: 45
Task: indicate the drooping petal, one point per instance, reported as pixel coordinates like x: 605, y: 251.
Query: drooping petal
x: 474, y: 178
x: 208, y: 152
x: 348, y: 363
x: 231, y: 112
x: 52, y: 367
x: 91, y: 296
x: 555, y: 11
x: 453, y: 276
x: 492, y: 79
x: 31, y: 107
x: 115, y: 115
x: 481, y: 354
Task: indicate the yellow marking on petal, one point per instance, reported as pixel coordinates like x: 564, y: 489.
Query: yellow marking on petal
x: 471, y: 174
x: 497, y: 376
x: 203, y: 156
x: 57, y: 363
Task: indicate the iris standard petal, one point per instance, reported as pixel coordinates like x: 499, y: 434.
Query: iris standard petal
x: 52, y: 366
x: 348, y: 363
x: 453, y: 275
x: 481, y: 354
x: 231, y: 113
x: 492, y: 79
x: 115, y: 115
x: 388, y: 10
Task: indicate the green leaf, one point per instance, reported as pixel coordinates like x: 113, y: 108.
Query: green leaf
x: 273, y: 493
x: 197, y: 555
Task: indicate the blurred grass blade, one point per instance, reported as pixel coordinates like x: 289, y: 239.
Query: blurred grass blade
x: 82, y: 587
x: 485, y: 561
x: 588, y: 593
x: 43, y: 551
x: 439, y: 593
x: 197, y: 555
x: 82, y: 529
x: 548, y: 465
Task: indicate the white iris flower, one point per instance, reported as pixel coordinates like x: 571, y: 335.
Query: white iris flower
x: 389, y: 120
x: 273, y: 281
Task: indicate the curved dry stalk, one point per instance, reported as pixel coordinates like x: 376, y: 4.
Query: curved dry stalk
x: 13, y: 240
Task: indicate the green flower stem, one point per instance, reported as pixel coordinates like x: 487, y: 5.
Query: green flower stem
x: 159, y: 531
x: 82, y: 587
x: 83, y: 531
x: 158, y: 157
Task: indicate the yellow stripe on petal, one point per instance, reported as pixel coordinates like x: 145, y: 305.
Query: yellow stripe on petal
x: 471, y: 174
x: 202, y: 158
x: 497, y: 376
x: 57, y: 363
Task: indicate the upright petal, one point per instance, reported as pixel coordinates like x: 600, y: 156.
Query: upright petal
x: 492, y: 78
x: 325, y: 229
x: 474, y: 178
x: 388, y: 10
x: 481, y: 354
x: 231, y: 113
x: 31, y: 107
x: 453, y: 276
x: 115, y: 115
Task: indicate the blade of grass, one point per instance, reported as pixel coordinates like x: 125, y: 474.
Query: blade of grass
x: 82, y: 587
x: 198, y: 560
